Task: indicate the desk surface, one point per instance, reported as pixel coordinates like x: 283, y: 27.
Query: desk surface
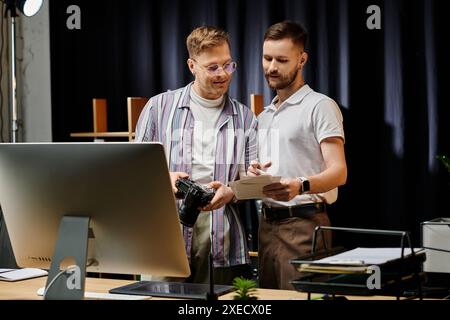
x: 27, y: 290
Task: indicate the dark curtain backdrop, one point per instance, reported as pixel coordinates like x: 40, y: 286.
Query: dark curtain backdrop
x: 390, y: 84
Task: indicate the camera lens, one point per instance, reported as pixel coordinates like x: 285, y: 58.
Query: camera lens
x: 188, y: 216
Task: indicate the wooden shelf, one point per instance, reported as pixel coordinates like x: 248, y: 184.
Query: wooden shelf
x: 117, y: 134
x: 135, y: 105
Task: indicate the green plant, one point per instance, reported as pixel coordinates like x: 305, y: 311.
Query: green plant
x: 446, y: 161
x: 245, y: 289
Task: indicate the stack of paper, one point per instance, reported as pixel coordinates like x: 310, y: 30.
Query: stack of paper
x: 251, y: 187
x: 21, y: 274
x: 368, y: 256
x: 339, y: 269
x: 355, y: 261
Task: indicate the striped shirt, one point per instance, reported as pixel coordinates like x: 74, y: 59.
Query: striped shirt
x: 167, y: 118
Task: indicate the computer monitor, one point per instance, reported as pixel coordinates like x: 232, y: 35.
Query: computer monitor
x: 124, y: 188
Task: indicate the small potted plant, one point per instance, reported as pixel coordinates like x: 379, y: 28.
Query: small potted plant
x: 446, y: 161
x: 245, y: 289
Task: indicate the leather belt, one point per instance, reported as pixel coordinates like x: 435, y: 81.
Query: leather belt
x: 301, y: 211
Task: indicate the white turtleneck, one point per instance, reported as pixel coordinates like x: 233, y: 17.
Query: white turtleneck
x: 206, y: 115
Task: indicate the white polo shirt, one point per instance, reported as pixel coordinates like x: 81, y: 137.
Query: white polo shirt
x: 290, y: 137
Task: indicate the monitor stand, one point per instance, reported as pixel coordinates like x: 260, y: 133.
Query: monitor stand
x: 72, y: 242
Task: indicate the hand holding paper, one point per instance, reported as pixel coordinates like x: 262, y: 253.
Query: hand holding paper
x: 250, y: 187
x: 256, y: 168
x: 284, y: 190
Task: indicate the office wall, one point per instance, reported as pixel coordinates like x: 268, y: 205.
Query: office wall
x: 4, y: 76
x: 33, y: 78
x: 34, y: 71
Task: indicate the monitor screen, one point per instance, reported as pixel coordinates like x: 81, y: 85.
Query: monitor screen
x: 123, y: 187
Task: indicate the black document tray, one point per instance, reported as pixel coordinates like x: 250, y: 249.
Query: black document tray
x: 397, y: 276
x: 355, y: 284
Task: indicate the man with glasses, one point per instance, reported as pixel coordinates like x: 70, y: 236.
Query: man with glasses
x: 210, y: 138
x: 301, y: 138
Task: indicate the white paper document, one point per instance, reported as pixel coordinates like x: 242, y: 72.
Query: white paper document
x: 251, y: 187
x: 21, y: 274
x: 366, y: 256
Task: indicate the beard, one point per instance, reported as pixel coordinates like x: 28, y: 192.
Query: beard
x: 283, y: 81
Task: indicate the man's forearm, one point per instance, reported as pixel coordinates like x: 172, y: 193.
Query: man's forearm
x: 329, y: 179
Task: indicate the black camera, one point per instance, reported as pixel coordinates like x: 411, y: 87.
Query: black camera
x: 194, y: 196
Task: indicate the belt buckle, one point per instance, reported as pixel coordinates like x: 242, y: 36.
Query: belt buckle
x: 263, y: 211
x: 266, y: 216
x: 290, y: 212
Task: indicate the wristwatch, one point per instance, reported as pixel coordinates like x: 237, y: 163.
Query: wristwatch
x: 304, y: 182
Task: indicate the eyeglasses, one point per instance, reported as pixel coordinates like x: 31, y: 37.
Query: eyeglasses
x: 216, y: 69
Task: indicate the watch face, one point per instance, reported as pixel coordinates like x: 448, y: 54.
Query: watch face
x: 305, y: 186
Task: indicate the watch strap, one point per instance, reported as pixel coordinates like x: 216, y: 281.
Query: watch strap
x: 304, y: 182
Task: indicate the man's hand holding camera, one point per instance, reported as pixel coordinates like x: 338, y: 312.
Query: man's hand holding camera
x: 174, y: 176
x: 224, y: 194
x: 197, y: 197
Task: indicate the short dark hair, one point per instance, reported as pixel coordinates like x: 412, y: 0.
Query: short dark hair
x: 287, y: 29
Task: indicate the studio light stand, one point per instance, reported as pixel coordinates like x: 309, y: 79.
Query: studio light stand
x: 28, y: 8
x: 211, y: 295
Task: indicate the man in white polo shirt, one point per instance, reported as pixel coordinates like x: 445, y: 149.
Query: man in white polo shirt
x: 301, y: 138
